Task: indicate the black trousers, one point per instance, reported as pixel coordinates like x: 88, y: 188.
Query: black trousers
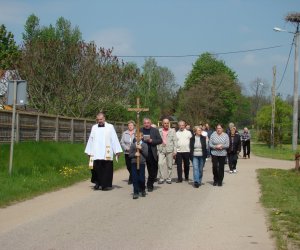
x: 128, y: 165
x: 152, y: 167
x: 185, y: 157
x: 246, y: 148
x: 218, y: 168
x: 103, y: 171
x: 232, y: 160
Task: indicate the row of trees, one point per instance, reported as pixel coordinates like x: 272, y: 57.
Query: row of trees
x: 68, y: 76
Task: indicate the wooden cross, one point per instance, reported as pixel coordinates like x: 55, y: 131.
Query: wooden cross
x: 138, y: 109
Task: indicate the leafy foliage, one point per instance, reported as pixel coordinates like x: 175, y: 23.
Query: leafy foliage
x: 9, y: 52
x: 70, y: 77
x: 210, y: 94
x: 283, y: 124
x: 157, y: 89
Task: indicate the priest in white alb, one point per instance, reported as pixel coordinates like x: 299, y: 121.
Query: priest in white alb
x: 102, y: 145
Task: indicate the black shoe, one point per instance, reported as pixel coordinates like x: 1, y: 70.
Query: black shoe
x: 150, y: 189
x: 96, y: 187
x: 220, y: 184
x: 186, y: 179
x: 196, y: 185
x: 214, y: 184
x: 135, y: 196
x: 143, y: 193
x: 178, y: 181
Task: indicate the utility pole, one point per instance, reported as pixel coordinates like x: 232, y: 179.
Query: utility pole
x: 296, y: 95
x: 273, y: 108
x: 295, y: 19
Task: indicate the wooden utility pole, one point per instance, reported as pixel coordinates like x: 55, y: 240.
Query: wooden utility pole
x: 273, y: 108
x: 138, y: 109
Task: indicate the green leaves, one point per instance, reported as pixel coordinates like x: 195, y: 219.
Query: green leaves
x: 9, y: 52
x: 283, y: 124
x: 210, y: 93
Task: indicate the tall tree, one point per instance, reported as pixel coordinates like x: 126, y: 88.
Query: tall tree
x: 210, y: 93
x: 67, y: 76
x: 157, y: 88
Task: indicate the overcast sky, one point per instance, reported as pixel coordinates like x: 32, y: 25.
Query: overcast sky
x: 177, y: 28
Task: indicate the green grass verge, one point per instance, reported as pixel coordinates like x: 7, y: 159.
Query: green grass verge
x: 281, y: 196
x: 40, y: 167
x: 284, y: 152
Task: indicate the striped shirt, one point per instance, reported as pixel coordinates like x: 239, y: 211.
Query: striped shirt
x: 215, y: 140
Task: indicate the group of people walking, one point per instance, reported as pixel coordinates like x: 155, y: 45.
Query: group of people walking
x: 158, y: 148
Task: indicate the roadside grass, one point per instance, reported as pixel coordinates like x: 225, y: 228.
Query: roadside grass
x: 283, y: 152
x: 281, y: 196
x: 40, y: 167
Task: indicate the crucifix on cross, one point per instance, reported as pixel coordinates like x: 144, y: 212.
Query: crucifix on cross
x: 138, y: 109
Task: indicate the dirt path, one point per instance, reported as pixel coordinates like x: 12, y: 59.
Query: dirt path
x: 175, y: 216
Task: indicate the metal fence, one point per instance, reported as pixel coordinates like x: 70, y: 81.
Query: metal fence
x: 42, y: 127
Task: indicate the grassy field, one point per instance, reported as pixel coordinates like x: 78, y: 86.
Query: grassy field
x: 281, y: 196
x: 284, y: 152
x: 41, y: 167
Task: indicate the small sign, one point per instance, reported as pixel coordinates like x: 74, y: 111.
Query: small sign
x: 21, y: 92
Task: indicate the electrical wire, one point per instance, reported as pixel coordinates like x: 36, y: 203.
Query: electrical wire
x: 196, y: 55
x: 286, y: 65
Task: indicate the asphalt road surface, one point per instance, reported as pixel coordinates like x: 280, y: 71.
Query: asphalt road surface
x: 174, y: 216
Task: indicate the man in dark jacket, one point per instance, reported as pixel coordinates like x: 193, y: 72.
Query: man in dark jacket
x: 233, y: 150
x: 152, y: 138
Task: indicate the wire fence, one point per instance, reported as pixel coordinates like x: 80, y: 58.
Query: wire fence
x: 42, y: 127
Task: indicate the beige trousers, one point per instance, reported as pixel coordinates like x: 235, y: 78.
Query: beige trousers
x: 165, y: 163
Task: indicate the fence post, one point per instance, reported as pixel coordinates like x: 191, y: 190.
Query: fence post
x: 72, y: 131
x: 84, y: 132
x: 56, y: 129
x: 17, y: 127
x: 38, y: 127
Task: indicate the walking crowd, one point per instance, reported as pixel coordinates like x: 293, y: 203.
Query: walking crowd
x: 158, y: 148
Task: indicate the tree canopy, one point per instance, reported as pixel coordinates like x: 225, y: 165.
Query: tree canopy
x: 283, y: 122
x: 9, y: 51
x: 210, y: 93
x: 68, y: 76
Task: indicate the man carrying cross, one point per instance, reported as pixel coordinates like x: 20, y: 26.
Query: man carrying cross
x: 103, y: 143
x: 152, y: 138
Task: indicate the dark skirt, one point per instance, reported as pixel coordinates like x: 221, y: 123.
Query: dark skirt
x: 103, y: 173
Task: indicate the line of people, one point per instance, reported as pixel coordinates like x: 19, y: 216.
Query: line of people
x: 157, y: 149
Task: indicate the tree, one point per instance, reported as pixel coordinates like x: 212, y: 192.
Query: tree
x: 157, y: 88
x: 210, y: 93
x: 9, y: 52
x: 67, y: 76
x: 205, y: 66
x: 209, y: 101
x: 283, y: 124
x: 258, y: 98
x: 9, y: 58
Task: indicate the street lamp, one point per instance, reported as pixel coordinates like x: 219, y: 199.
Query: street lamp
x: 296, y: 73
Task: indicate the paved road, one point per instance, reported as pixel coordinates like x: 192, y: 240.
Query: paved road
x: 175, y: 216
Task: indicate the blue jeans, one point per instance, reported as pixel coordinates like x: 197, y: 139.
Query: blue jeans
x: 138, y: 178
x: 198, y: 162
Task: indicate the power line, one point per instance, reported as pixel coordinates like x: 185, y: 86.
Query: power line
x: 286, y: 65
x: 196, y: 55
